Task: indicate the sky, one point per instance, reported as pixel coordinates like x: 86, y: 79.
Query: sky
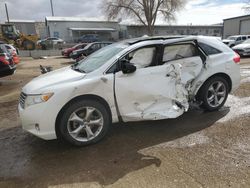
x: 196, y: 12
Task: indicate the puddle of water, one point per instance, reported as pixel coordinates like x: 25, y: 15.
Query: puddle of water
x: 188, y: 141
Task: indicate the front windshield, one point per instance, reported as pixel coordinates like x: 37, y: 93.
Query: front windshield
x: 99, y: 58
x: 232, y: 38
x: 247, y: 41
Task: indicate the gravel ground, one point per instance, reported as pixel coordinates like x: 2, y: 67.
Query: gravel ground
x: 198, y: 149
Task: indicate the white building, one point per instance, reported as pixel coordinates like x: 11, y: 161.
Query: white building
x: 236, y: 26
x: 25, y: 26
x: 72, y: 28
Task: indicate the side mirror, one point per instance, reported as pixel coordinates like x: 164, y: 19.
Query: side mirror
x: 127, y: 67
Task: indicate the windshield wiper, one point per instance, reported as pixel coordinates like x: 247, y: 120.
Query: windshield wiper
x: 74, y: 67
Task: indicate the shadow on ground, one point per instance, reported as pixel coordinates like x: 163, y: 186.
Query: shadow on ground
x: 28, y: 161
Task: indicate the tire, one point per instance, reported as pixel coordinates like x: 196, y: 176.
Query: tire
x: 84, y: 131
x: 28, y: 45
x: 213, y: 94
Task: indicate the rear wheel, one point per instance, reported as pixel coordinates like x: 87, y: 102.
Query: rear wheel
x: 84, y: 122
x: 213, y: 94
x: 28, y: 45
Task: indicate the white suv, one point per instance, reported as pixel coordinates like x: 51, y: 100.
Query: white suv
x: 235, y: 40
x: 134, y: 80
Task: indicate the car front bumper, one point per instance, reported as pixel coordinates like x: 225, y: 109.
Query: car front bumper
x: 39, y: 121
x: 7, y: 70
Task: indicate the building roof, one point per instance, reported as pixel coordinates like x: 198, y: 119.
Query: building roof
x: 76, y: 19
x: 92, y: 29
x: 22, y: 21
x: 139, y: 25
x: 244, y: 16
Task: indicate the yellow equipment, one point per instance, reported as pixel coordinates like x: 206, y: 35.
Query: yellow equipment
x: 11, y: 35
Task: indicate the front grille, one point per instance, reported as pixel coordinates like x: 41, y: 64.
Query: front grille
x: 22, y: 98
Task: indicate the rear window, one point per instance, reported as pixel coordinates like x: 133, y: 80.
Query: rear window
x: 209, y: 50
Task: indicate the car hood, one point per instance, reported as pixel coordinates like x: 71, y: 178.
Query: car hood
x: 63, y: 75
x: 241, y: 46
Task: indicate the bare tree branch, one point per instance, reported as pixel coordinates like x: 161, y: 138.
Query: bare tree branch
x: 145, y: 11
x: 247, y: 6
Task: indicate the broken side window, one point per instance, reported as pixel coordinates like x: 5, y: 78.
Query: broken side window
x: 179, y: 51
x: 143, y: 57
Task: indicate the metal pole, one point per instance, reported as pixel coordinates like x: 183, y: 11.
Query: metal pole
x: 52, y: 9
x: 7, y: 13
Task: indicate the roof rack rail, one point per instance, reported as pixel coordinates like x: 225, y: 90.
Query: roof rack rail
x: 141, y: 39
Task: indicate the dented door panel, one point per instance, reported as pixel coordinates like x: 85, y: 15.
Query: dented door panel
x: 151, y: 93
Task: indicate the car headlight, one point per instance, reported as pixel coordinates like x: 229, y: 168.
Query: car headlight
x: 36, y: 99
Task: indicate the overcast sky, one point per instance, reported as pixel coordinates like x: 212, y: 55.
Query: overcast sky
x: 201, y: 12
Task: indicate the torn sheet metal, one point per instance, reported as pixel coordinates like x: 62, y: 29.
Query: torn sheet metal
x: 164, y: 93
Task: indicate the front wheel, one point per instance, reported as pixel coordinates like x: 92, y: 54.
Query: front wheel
x: 214, y: 93
x: 84, y: 122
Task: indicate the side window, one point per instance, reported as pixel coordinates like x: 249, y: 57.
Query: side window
x: 238, y: 39
x: 94, y: 46
x: 209, y: 50
x: 143, y: 57
x: 244, y: 38
x: 179, y: 51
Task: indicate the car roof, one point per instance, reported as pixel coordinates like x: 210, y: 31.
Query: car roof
x: 141, y: 39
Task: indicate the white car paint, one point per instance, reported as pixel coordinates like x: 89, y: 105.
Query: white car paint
x: 243, y: 49
x: 151, y: 93
x: 235, y: 40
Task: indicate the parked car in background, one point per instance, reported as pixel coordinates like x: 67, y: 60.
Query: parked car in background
x: 243, y: 49
x: 49, y: 42
x: 14, y: 52
x: 235, y: 40
x: 7, y: 66
x: 89, y: 49
x: 54, y: 40
x: 67, y: 52
x: 141, y: 79
x: 89, y: 38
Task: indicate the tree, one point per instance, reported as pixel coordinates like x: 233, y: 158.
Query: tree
x: 144, y: 11
x: 246, y: 7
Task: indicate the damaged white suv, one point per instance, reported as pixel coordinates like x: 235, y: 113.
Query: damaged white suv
x: 134, y: 80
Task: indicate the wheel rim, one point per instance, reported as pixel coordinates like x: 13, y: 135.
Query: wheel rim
x: 216, y: 94
x: 85, y: 124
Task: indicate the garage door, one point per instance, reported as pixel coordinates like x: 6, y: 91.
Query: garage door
x: 245, y: 27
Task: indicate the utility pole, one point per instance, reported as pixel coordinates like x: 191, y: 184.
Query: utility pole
x: 52, y: 9
x: 7, y: 13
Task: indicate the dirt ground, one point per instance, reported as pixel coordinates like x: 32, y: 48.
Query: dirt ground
x: 199, y: 149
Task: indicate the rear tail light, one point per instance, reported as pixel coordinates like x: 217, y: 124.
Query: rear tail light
x: 236, y: 58
x: 3, y: 58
